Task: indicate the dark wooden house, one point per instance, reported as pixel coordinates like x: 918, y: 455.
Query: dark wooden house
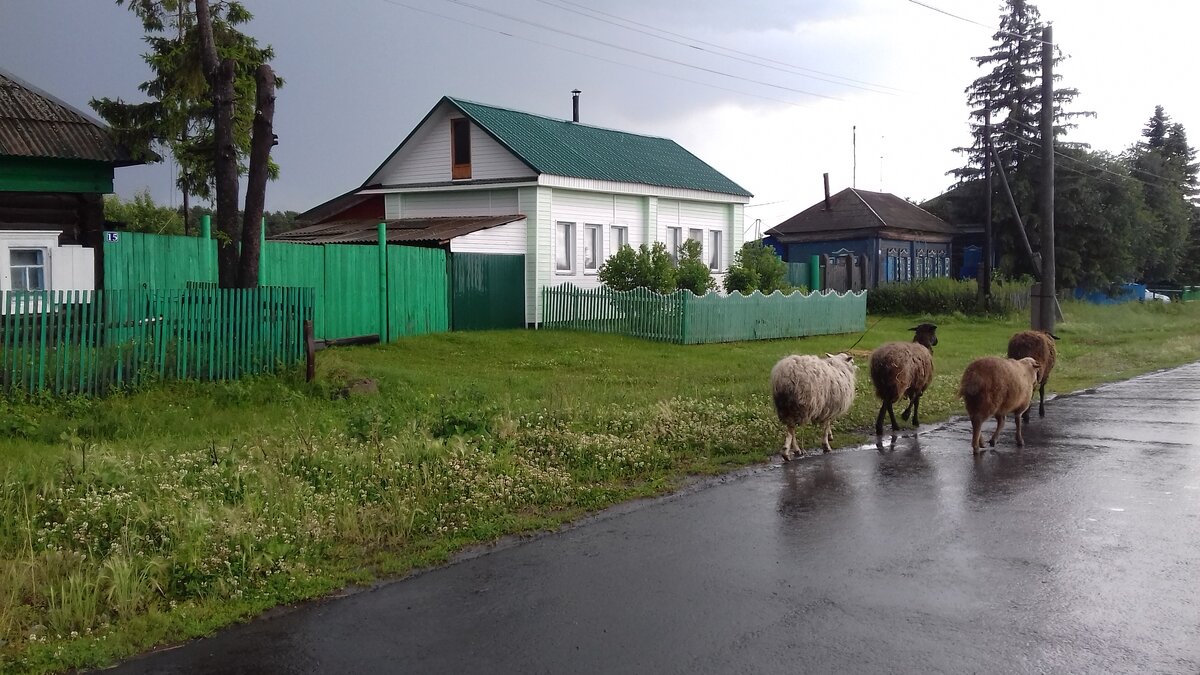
x: 895, y: 239
x: 56, y: 164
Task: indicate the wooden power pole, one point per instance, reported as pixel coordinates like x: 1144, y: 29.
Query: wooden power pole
x: 1049, y: 295
x: 985, y: 282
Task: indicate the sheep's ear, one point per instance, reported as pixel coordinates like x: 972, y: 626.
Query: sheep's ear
x: 1052, y: 335
x: 828, y: 355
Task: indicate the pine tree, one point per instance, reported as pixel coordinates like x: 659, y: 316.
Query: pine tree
x: 1011, y: 91
x: 1166, y: 166
x: 180, y: 115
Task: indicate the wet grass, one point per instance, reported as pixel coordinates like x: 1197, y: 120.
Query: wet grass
x: 162, y: 514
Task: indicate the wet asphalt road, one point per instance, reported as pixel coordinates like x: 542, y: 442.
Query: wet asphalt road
x: 1079, y: 553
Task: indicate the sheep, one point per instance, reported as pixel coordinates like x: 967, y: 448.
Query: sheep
x: 1039, y: 345
x: 994, y: 386
x: 807, y: 389
x: 903, y: 370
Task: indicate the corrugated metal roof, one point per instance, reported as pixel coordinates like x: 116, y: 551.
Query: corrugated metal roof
x: 36, y: 124
x: 435, y: 231
x: 858, y: 211
x: 562, y: 148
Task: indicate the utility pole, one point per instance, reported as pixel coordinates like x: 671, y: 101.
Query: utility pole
x: 1049, y: 299
x: 985, y: 280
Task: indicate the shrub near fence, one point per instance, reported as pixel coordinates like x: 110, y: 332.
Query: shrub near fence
x: 684, y: 318
x: 92, y: 341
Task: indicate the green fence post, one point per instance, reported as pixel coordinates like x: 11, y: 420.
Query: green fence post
x: 262, y: 247
x: 383, y: 284
x: 814, y: 273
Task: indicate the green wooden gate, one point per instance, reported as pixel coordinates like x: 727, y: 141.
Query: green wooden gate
x: 296, y: 265
x: 488, y: 291
x: 351, y: 291
x: 417, y: 291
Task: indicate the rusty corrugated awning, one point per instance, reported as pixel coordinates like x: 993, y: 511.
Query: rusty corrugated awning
x: 426, y: 231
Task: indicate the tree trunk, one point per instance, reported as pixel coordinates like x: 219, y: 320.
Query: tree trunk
x: 256, y: 183
x: 220, y: 76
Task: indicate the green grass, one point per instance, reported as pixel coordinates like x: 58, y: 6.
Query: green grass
x: 165, y: 513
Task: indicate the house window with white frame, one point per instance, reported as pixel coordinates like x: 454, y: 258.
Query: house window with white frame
x: 591, y: 248
x: 620, y: 237
x: 28, y: 268
x: 714, y: 250
x: 674, y: 241
x: 564, y: 248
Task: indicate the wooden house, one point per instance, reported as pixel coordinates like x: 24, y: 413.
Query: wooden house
x: 56, y: 163
x: 565, y: 195
x: 897, y: 241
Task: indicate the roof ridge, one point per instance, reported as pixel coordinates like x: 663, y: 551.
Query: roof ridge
x: 557, y: 119
x: 868, y: 205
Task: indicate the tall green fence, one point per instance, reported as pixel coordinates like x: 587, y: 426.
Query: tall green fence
x: 93, y: 341
x: 351, y: 297
x: 139, y: 260
x: 684, y: 318
x: 1190, y: 293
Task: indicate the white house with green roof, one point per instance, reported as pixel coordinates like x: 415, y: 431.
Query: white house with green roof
x: 578, y: 192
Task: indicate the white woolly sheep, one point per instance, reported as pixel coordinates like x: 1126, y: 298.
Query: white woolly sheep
x: 1039, y: 345
x: 993, y: 386
x: 807, y: 389
x: 903, y: 370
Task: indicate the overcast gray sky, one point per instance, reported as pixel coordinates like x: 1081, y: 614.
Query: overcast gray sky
x: 361, y: 73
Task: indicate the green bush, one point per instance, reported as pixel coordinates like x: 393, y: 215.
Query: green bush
x: 756, y: 267
x: 648, y: 267
x: 692, y: 273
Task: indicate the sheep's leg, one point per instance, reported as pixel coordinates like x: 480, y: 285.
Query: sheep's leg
x: 1020, y: 438
x: 999, y: 426
x: 976, y: 436
x: 886, y: 406
x: 827, y: 437
x: 916, y: 406
x: 907, y: 409
x: 892, y: 416
x: 788, y: 441
x: 1041, y: 400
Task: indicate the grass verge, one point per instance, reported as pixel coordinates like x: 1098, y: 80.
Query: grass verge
x: 163, y: 514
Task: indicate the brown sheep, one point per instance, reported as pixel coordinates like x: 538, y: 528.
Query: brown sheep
x: 903, y: 370
x: 808, y: 389
x: 1040, y: 346
x: 993, y: 386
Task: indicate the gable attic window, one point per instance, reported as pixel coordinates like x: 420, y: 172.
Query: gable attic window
x: 460, y: 148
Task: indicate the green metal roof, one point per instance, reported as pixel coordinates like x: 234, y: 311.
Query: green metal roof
x: 562, y: 148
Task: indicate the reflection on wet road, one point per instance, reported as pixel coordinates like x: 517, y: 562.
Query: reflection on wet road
x: 1078, y: 553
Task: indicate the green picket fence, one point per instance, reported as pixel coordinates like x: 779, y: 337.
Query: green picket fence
x: 684, y: 318
x: 93, y: 341
x: 1190, y: 293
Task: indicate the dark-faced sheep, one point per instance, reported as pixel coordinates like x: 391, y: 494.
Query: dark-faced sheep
x: 993, y: 386
x: 903, y: 370
x: 807, y: 389
x: 1038, y: 345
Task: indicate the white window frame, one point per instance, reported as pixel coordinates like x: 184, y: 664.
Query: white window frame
x: 674, y: 241
x: 44, y: 266
x: 620, y: 237
x: 593, y: 237
x: 714, y: 255
x: 564, y: 247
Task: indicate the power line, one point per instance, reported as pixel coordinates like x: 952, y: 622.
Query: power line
x: 973, y: 22
x: 591, y: 56
x: 611, y: 45
x: 695, y: 43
